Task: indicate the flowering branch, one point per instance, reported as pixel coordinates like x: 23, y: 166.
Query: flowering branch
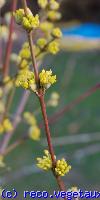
x: 43, y: 107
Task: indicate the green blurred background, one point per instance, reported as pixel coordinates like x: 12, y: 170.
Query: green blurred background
x: 76, y: 72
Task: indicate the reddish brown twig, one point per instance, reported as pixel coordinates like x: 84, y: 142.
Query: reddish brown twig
x: 42, y: 103
x: 10, y: 42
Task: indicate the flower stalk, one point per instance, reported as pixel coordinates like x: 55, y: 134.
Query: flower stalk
x: 42, y: 104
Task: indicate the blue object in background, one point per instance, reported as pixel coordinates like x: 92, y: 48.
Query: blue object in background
x: 87, y: 30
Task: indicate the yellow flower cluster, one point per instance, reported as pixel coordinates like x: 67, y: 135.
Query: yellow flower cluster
x: 2, y: 164
x: 30, y: 22
x: 27, y: 21
x: 19, y: 14
x: 6, y: 125
x: 56, y: 32
x: 34, y: 131
x: 62, y: 167
x: 43, y: 3
x: 25, y: 79
x: 41, y: 42
x: 54, y: 15
x: 46, y: 26
x: 24, y: 56
x: 46, y: 78
x: 45, y: 163
x: 54, y: 5
x: 53, y: 47
x: 25, y: 51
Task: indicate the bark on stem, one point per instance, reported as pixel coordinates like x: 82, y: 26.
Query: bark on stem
x: 42, y: 103
x: 47, y: 129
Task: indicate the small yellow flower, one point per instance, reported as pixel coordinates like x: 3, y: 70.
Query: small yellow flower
x: 34, y: 133
x: 19, y: 14
x: 57, y: 33
x: 43, y: 3
x: 46, y: 78
x: 30, y: 22
x: 54, y: 15
x: 45, y: 163
x: 24, y: 64
x: 26, y: 24
x: 62, y: 167
x: 2, y: 164
x: 54, y: 5
x: 41, y: 42
x: 7, y: 125
x: 53, y: 47
x: 25, y: 79
x: 46, y: 26
x: 27, y: 21
x: 25, y: 53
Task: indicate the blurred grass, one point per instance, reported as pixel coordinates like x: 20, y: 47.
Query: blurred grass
x: 76, y: 73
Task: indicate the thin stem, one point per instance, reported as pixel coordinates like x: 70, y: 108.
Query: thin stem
x: 10, y: 42
x: 31, y: 47
x: 42, y: 103
x: 33, y: 58
x: 47, y: 129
